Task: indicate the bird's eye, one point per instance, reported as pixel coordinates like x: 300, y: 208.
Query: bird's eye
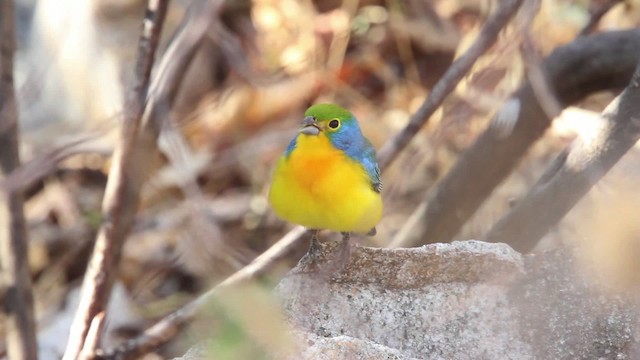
x: 334, y: 124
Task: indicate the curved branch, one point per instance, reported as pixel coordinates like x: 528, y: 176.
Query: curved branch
x: 588, y: 64
x: 573, y: 173
x: 126, y: 176
x: 449, y: 81
x: 164, y: 330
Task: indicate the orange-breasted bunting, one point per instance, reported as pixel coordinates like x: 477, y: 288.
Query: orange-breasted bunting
x: 328, y: 177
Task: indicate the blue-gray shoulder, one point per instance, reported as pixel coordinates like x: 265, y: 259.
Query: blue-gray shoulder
x: 370, y: 164
x: 354, y: 144
x: 292, y: 145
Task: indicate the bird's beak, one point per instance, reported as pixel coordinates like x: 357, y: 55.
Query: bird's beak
x: 310, y: 126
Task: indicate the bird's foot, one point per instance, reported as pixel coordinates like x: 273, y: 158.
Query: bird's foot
x: 329, y: 258
x: 314, y: 246
x: 345, y: 250
x: 316, y: 253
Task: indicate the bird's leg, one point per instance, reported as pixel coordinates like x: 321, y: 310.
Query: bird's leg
x: 346, y: 248
x: 314, y: 246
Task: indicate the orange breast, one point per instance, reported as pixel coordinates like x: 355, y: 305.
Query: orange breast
x: 312, y: 169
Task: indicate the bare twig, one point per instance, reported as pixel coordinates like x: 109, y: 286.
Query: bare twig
x: 92, y: 341
x: 128, y: 172
x: 43, y: 165
x: 15, y: 277
x: 441, y: 90
x: 573, y: 173
x: 599, y: 62
x: 163, y: 90
x: 166, y: 328
x: 598, y: 9
x: 449, y: 80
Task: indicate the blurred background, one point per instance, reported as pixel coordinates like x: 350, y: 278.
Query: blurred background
x: 204, y: 212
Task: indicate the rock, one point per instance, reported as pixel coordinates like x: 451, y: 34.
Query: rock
x: 464, y: 300
x: 438, y: 301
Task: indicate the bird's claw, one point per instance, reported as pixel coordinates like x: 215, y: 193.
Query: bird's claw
x: 328, y: 258
x: 314, y: 246
x: 345, y: 251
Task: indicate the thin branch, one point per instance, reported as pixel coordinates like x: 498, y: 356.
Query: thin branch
x: 92, y: 341
x: 589, y: 64
x: 43, y: 165
x: 16, y: 280
x: 487, y: 37
x: 573, y: 173
x: 165, y: 329
x: 129, y: 170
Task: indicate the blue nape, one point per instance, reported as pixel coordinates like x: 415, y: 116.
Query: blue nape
x: 349, y: 139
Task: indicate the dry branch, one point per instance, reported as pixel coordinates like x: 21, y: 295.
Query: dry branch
x: 487, y: 37
x: 17, y: 302
x: 573, y: 173
x: 43, y: 165
x: 165, y: 329
x: 129, y: 170
x: 589, y: 64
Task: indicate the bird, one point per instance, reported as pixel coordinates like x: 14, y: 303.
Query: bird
x: 328, y: 177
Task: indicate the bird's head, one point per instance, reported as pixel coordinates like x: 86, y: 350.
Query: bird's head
x: 328, y: 119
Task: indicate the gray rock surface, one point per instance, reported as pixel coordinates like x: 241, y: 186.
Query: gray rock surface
x: 442, y: 301
x: 464, y: 300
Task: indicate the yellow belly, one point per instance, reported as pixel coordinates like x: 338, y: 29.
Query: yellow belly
x: 320, y: 187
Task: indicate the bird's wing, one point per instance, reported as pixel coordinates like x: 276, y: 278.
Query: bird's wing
x: 370, y: 164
